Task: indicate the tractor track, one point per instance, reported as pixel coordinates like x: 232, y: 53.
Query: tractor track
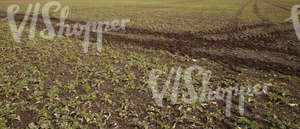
x: 240, y: 11
x: 276, y: 5
x: 227, y: 60
x: 194, y: 45
x: 234, y: 26
x: 258, y: 14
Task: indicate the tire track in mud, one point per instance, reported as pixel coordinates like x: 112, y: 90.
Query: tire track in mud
x: 282, y: 4
x: 237, y: 16
x: 185, y: 47
x: 228, y: 29
x: 276, y: 5
x: 240, y: 11
x: 182, y: 35
x: 258, y: 14
x: 233, y: 27
x: 227, y: 60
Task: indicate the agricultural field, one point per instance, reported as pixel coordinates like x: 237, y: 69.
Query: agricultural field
x: 53, y: 83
